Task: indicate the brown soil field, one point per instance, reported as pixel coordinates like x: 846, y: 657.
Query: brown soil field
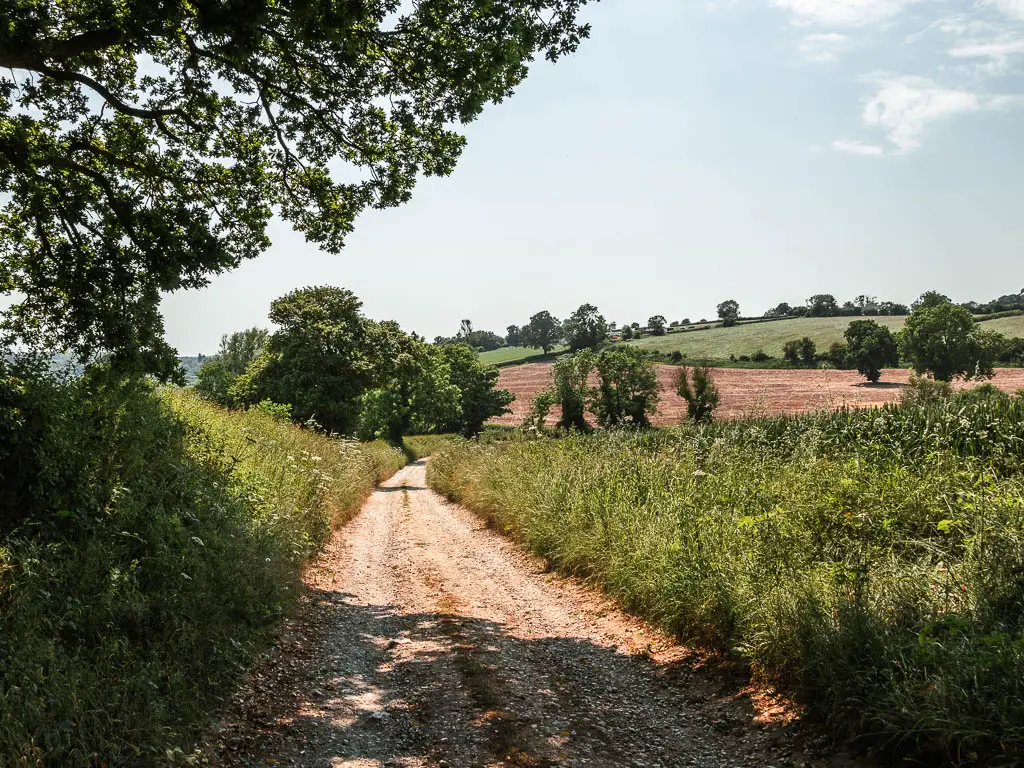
x: 748, y: 392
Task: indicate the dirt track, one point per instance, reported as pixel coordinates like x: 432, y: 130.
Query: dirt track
x: 428, y: 640
x: 747, y: 392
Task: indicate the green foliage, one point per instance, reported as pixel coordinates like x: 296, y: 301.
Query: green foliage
x: 318, y: 360
x: 656, y: 325
x: 237, y: 352
x: 417, y: 447
x: 627, y: 391
x: 586, y: 328
x: 626, y: 332
x: 697, y: 387
x: 144, y: 148
x: 150, y: 542
x: 808, y: 350
x: 570, y: 390
x: 943, y: 339
x: 239, y: 349
x: 930, y: 299
x: 479, y: 399
x: 791, y: 351
x: 870, y: 347
x: 868, y: 560
x: 544, y: 331
x: 214, y: 380
x: 822, y: 305
x: 797, y: 351
x: 839, y: 355
x: 413, y: 391
x: 278, y: 411
x: 729, y: 312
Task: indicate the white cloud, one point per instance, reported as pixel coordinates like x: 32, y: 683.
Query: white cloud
x: 995, y: 53
x: 858, y: 147
x: 845, y: 13
x: 1012, y: 8
x: 824, y: 47
x: 903, y: 107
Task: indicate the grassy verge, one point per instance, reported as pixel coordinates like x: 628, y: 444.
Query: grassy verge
x: 148, y: 546
x: 419, y: 446
x: 871, y: 561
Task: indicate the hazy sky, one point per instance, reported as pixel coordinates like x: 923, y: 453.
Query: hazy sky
x: 762, y: 150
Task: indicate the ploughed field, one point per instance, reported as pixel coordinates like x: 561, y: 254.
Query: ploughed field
x: 747, y: 392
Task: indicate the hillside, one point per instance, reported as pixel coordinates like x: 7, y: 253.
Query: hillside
x: 511, y: 355
x: 719, y: 343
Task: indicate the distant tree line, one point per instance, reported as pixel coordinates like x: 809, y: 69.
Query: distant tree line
x: 586, y: 328
x: 939, y: 338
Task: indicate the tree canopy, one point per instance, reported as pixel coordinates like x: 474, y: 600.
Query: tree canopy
x: 145, y: 146
x: 870, y: 347
x: 543, y: 331
x: 586, y: 328
x: 729, y: 312
x: 943, y: 339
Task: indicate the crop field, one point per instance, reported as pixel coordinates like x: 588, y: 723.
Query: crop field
x: 748, y: 392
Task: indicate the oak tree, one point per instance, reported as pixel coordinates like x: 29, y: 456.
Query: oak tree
x: 145, y: 146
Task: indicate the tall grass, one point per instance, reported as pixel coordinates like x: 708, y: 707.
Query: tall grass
x: 157, y: 541
x: 873, y: 561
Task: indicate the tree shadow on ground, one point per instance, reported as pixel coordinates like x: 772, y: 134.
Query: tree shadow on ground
x: 882, y: 385
x: 357, y: 685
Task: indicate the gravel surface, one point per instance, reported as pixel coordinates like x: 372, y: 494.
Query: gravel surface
x: 426, y: 639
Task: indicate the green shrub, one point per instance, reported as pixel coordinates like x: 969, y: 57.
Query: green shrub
x: 157, y: 541
x: 701, y: 395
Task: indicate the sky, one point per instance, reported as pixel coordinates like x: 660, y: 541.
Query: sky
x: 691, y: 152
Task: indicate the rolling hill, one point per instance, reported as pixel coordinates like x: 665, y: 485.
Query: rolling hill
x: 719, y: 343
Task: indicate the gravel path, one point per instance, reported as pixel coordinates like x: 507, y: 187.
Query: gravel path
x: 428, y: 640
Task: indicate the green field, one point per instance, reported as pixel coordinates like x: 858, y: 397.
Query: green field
x: 1008, y: 326
x: 718, y: 343
x: 507, y: 355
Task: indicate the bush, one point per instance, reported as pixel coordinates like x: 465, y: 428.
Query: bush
x: 760, y: 356
x: 156, y: 540
x: 627, y: 389
x: 701, y: 395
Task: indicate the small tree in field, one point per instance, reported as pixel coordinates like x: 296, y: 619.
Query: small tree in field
x: 656, y: 325
x: 544, y: 331
x: 697, y: 387
x: 628, y: 388
x: 570, y: 389
x: 729, y: 312
x: 944, y: 339
x: 791, y: 351
x: 586, y: 328
x: 808, y: 350
x: 870, y: 347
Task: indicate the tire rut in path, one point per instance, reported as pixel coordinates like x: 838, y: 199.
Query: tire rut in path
x: 428, y: 640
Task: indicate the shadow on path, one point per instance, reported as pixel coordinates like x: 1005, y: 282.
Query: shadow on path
x: 356, y: 685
